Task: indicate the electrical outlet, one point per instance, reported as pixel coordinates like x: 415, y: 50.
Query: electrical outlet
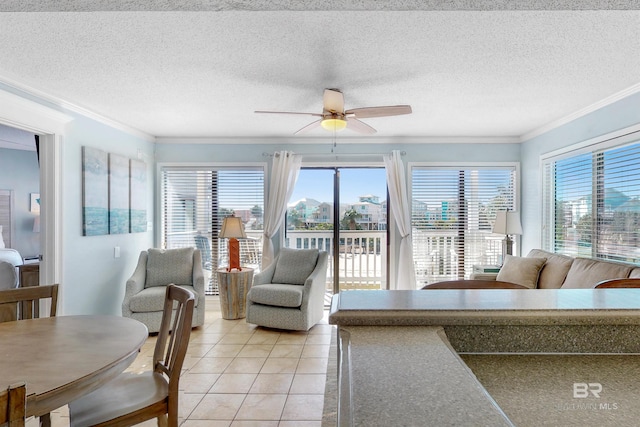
x: 116, y: 252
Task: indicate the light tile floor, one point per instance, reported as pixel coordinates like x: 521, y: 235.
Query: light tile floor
x: 240, y: 375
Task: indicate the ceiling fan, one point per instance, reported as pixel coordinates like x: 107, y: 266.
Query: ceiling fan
x: 335, y: 118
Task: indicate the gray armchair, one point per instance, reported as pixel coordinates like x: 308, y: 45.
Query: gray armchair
x: 145, y: 290
x: 289, y: 293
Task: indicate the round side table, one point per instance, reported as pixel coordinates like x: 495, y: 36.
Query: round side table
x: 234, y: 286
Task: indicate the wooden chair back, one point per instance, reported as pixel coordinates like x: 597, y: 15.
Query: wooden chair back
x: 132, y: 398
x: 173, y: 340
x: 13, y: 406
x: 28, y: 300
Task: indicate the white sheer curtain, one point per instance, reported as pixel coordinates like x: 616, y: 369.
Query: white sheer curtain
x: 284, y: 173
x: 401, y: 209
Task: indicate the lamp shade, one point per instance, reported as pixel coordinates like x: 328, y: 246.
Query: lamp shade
x: 232, y: 228
x: 507, y: 222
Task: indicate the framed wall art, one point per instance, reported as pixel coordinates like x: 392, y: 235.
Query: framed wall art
x: 118, y: 194
x: 95, y: 192
x: 138, y: 195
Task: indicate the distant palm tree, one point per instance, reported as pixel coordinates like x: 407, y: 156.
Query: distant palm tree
x: 349, y: 220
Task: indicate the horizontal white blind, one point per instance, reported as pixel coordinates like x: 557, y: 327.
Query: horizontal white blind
x: 453, y: 210
x: 593, y: 200
x: 195, y: 201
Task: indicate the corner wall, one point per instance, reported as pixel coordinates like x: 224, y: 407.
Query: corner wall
x: 619, y: 115
x: 92, y: 281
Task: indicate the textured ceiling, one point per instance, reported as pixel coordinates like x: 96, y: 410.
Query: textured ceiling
x: 200, y: 69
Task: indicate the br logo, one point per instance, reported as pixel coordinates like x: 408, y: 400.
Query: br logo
x: 582, y: 390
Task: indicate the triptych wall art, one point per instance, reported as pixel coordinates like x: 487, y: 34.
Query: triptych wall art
x: 114, y: 195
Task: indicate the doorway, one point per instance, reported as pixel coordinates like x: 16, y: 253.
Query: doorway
x: 344, y: 211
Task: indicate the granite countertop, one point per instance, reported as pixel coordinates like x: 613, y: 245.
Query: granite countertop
x: 401, y: 352
x: 487, y: 306
x: 408, y: 376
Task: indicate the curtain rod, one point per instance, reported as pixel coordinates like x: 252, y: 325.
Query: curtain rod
x: 265, y: 154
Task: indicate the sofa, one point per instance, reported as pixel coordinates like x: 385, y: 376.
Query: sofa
x: 546, y: 270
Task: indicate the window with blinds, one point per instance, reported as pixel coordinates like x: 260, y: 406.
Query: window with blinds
x: 592, y: 203
x: 195, y: 201
x: 453, y: 210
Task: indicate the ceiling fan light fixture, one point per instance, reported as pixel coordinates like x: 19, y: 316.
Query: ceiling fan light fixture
x: 333, y: 124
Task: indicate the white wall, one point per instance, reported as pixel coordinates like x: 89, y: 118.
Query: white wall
x: 92, y: 280
x: 19, y: 172
x: 616, y: 116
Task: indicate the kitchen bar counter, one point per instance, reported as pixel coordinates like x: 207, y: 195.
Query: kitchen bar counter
x: 399, y: 351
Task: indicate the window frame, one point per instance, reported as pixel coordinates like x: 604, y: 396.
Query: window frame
x: 594, y: 147
x: 512, y: 165
x: 199, y: 166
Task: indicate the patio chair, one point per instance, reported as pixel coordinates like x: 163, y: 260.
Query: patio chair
x: 135, y: 397
x: 289, y: 293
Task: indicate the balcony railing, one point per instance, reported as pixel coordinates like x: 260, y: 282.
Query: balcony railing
x: 441, y: 255
x: 362, y: 257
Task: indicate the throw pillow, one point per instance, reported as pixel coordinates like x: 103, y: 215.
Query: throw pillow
x: 522, y: 271
x: 294, y: 266
x: 166, y: 266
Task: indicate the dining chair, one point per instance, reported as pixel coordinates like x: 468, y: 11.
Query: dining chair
x: 29, y: 300
x: 13, y: 405
x: 132, y: 398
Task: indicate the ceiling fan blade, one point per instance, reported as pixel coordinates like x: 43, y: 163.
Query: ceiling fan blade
x: 308, y: 127
x: 368, y: 112
x: 288, y: 112
x: 333, y: 100
x: 358, y: 126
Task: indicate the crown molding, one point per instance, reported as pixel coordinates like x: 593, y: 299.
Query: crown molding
x: 350, y: 140
x: 61, y: 103
x: 581, y: 113
x: 19, y: 112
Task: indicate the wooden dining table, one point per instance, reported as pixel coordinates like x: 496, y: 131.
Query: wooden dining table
x: 63, y: 358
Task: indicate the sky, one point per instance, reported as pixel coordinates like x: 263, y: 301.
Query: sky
x: 354, y: 182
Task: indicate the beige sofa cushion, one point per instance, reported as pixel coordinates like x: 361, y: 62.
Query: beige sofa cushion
x: 554, y: 271
x: 521, y: 271
x: 586, y: 273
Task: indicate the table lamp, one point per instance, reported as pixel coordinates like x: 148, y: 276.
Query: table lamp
x: 507, y: 223
x: 233, y: 229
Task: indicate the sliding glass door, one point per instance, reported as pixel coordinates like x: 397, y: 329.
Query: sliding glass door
x: 342, y: 210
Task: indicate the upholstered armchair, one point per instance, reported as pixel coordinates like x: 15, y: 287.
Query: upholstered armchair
x: 289, y: 293
x: 145, y: 290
